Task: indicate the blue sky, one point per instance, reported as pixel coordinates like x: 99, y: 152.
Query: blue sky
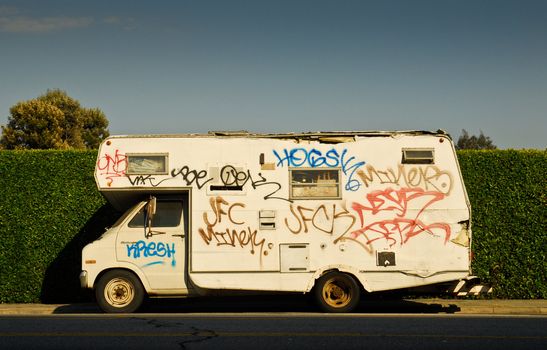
x: 280, y: 66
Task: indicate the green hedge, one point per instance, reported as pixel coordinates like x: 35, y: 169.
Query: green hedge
x: 508, y: 193
x: 50, y: 208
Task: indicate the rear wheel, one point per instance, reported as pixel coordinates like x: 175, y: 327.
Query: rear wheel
x: 119, y: 291
x: 337, y: 292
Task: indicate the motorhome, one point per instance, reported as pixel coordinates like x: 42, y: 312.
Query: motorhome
x: 329, y: 213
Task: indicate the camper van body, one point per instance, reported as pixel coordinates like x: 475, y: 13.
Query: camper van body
x: 278, y: 213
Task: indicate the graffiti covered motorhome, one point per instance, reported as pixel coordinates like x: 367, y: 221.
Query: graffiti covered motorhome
x: 329, y: 213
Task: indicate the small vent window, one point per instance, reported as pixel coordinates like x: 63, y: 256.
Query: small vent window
x: 314, y: 184
x: 147, y: 164
x: 418, y: 156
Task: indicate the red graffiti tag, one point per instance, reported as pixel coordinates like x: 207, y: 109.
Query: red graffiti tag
x: 401, y: 227
x: 112, y: 165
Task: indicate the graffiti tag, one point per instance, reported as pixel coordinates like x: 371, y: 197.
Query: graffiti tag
x: 234, y: 233
x: 428, y: 177
x: 400, y: 228
x: 322, y: 218
x: 190, y: 176
x: 230, y: 176
x: 152, y: 249
x: 300, y: 157
x: 112, y: 165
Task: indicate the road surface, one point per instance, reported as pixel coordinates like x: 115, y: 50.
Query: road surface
x: 269, y: 330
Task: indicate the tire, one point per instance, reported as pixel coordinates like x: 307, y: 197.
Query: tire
x: 119, y: 291
x: 337, y: 292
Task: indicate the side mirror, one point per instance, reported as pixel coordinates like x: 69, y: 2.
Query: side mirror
x: 149, y: 216
x: 151, y: 207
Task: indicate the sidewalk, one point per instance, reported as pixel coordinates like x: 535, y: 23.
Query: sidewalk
x: 495, y: 306
x: 425, y: 306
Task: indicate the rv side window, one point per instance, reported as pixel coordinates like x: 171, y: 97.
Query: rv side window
x: 418, y: 156
x: 168, y: 214
x: 314, y: 183
x: 147, y: 164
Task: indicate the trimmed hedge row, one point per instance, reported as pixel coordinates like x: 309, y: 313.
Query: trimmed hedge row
x: 50, y: 208
x: 508, y: 193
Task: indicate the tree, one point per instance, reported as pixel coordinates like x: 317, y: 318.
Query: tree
x: 473, y: 142
x: 53, y: 120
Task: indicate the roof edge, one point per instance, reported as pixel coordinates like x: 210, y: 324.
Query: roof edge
x: 291, y: 135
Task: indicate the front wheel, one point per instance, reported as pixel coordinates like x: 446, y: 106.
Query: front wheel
x: 119, y: 291
x: 337, y: 292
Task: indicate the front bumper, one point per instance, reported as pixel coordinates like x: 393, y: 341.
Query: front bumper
x: 83, y: 279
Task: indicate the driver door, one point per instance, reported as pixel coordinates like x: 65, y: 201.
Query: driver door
x: 159, y: 250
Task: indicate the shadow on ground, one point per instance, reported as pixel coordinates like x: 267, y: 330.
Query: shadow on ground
x: 270, y: 303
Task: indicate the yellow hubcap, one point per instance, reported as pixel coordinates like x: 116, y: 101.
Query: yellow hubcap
x: 337, y: 293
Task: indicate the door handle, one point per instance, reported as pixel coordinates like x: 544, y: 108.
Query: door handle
x: 181, y: 236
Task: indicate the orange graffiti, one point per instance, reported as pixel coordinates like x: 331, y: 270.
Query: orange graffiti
x: 323, y: 219
x: 237, y: 234
x: 428, y: 177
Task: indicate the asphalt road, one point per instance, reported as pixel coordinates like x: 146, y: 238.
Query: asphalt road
x: 273, y: 331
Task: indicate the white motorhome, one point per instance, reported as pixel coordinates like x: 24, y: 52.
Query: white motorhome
x: 329, y: 213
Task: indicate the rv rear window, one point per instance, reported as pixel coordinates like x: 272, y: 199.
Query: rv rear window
x: 314, y: 183
x: 146, y: 164
x: 418, y: 156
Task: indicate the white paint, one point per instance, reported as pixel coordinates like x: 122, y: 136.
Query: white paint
x: 226, y: 247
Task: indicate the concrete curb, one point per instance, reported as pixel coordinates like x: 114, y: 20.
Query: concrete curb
x: 506, y: 307
x: 416, y: 306
x: 47, y: 309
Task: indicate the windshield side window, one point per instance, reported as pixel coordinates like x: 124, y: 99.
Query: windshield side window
x: 168, y: 214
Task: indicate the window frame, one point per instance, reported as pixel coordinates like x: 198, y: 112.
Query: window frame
x: 337, y: 184
x: 406, y: 159
x: 164, y: 171
x: 143, y: 209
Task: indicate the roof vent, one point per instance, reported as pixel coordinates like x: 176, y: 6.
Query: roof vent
x: 229, y: 133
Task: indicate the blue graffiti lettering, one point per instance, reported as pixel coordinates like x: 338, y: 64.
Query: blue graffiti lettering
x: 333, y: 156
x: 347, y: 167
x: 141, y: 249
x: 154, y: 263
x: 314, y: 158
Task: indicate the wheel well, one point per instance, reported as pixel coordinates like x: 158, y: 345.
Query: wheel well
x: 339, y: 271
x: 102, y: 273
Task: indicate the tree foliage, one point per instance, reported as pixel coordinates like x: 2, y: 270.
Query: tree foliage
x: 473, y: 142
x: 54, y: 120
